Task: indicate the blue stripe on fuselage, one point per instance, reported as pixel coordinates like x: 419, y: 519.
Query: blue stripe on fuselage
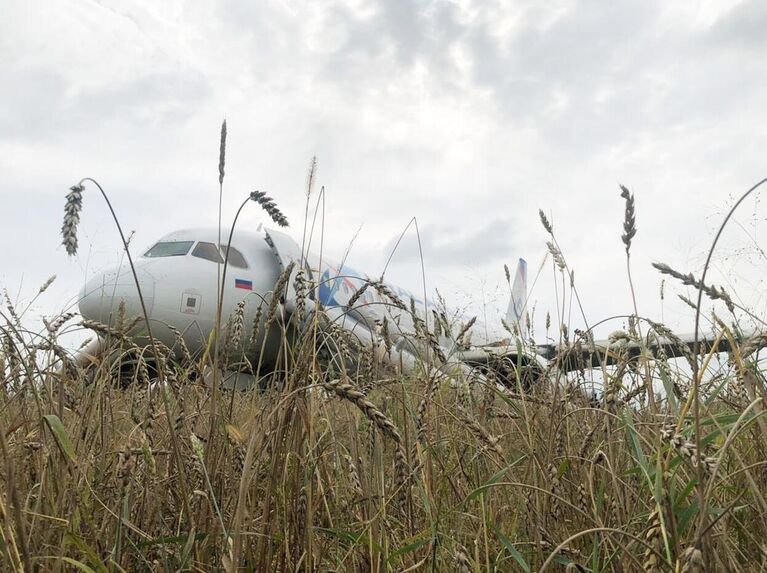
x: 332, y: 280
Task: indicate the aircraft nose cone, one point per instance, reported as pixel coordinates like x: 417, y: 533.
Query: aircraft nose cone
x: 101, y: 296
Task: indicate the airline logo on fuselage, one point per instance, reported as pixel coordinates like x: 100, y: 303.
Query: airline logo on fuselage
x: 337, y: 285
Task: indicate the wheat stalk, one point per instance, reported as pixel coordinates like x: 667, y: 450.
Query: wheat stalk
x: 268, y: 205
x: 222, y: 153
x: 545, y: 222
x: 689, y: 279
x: 629, y: 218
x: 72, y: 209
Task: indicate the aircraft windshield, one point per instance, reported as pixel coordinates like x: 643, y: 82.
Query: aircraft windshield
x: 202, y: 250
x: 169, y: 249
x: 207, y: 251
x: 235, y: 257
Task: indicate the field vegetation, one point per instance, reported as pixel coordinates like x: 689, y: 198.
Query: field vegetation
x: 341, y: 463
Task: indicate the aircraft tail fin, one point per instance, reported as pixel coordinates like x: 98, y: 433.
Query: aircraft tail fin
x: 516, y: 313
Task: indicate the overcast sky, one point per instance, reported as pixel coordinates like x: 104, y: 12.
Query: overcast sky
x: 469, y: 116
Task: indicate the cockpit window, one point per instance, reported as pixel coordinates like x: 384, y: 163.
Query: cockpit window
x: 207, y: 251
x: 202, y: 250
x: 235, y: 257
x: 169, y: 249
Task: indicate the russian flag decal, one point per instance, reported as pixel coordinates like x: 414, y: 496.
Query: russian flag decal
x: 242, y: 283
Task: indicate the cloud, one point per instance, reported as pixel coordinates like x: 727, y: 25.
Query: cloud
x: 48, y: 110
x: 743, y: 27
x: 445, y: 246
x: 469, y: 116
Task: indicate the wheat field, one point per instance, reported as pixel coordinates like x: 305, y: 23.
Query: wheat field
x: 130, y: 461
x: 364, y: 470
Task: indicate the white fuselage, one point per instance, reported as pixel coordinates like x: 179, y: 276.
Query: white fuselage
x: 180, y: 274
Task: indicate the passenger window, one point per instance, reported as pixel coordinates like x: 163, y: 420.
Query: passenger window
x: 235, y: 257
x: 170, y: 249
x: 207, y: 251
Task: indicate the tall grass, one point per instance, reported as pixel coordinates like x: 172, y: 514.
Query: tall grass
x: 341, y: 464
x: 316, y: 474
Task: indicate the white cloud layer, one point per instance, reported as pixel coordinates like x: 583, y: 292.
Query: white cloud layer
x: 467, y: 115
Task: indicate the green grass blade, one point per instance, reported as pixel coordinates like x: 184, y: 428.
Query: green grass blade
x: 62, y: 437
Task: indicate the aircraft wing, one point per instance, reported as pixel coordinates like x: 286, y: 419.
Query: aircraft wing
x: 607, y: 352
x: 583, y: 355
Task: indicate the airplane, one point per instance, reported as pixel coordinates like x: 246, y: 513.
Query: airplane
x: 178, y: 277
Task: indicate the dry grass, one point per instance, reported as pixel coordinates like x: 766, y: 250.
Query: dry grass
x: 133, y: 464
x: 315, y: 474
